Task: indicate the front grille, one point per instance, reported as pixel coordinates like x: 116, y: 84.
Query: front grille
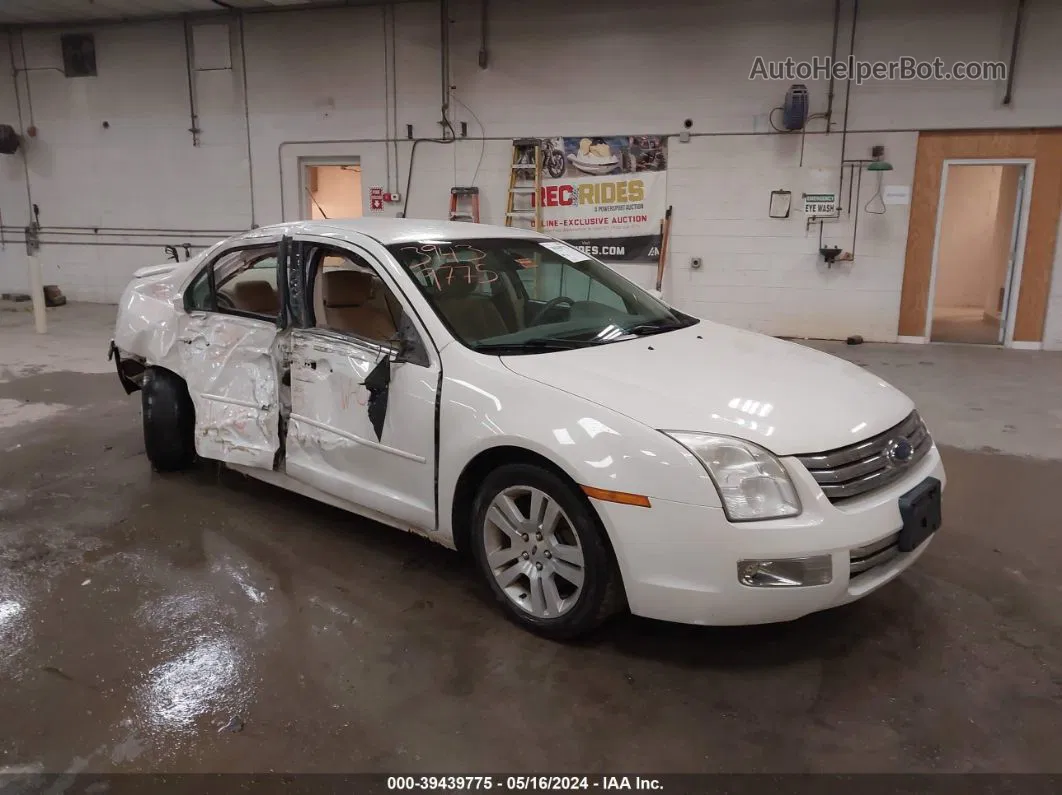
x: 864, y: 467
x: 863, y: 559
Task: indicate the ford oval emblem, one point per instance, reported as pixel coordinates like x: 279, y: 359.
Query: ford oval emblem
x: 899, y: 452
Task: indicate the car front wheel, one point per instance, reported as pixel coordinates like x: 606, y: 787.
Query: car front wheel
x: 543, y: 553
x: 169, y: 421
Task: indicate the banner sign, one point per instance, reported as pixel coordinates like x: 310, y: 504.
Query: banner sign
x: 606, y: 196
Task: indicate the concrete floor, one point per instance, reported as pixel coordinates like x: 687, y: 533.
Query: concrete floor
x: 142, y: 616
x: 963, y: 325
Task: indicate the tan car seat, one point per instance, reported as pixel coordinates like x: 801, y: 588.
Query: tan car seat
x: 347, y: 296
x: 472, y: 317
x: 257, y: 296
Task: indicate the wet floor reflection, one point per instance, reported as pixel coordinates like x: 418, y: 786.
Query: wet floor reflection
x: 209, y: 679
x: 15, y: 634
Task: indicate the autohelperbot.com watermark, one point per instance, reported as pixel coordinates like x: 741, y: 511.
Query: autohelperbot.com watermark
x: 903, y: 68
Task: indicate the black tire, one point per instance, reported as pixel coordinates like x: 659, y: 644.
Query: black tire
x: 169, y: 421
x: 602, y: 591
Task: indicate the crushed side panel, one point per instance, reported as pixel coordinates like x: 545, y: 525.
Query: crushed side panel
x: 228, y: 363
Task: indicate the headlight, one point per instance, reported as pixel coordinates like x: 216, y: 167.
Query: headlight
x: 752, y: 483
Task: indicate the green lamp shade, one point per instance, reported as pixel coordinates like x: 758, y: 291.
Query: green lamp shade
x: 880, y: 165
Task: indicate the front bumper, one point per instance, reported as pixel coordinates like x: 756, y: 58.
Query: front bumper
x: 679, y: 562
x: 130, y: 369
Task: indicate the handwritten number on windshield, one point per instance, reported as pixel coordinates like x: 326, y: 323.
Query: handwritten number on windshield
x: 441, y: 265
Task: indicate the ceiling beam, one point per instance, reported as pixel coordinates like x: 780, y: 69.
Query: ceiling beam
x: 97, y: 22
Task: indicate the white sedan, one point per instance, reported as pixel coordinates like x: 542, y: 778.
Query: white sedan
x: 504, y: 394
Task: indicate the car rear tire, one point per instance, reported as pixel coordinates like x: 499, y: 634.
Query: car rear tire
x: 544, y: 556
x: 169, y: 421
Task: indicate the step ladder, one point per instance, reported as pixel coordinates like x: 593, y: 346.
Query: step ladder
x: 525, y: 184
x: 464, y: 204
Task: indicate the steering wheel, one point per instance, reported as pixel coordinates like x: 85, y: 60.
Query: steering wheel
x: 552, y: 304
x: 224, y: 301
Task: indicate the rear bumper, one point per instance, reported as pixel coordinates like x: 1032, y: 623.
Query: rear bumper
x: 679, y: 561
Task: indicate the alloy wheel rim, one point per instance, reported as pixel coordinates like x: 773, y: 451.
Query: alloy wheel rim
x: 533, y: 552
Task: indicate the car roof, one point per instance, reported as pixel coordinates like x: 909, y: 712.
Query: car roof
x: 389, y: 231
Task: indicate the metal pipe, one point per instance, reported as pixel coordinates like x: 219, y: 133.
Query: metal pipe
x: 412, y: 158
x: 194, y: 129
x: 36, y: 278
x: 848, y: 91
x: 29, y: 92
x: 833, y: 58
x: 387, y: 93
x: 1018, y: 18
x: 247, y: 120
x: 111, y: 245
x: 484, y: 27
x: 859, y: 187
x: 444, y: 65
x: 851, y: 175
x: 394, y: 92
x: 21, y: 124
x: 742, y: 133
x: 64, y: 233
x: 125, y: 229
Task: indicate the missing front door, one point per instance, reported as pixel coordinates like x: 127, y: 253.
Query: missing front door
x: 976, y: 252
x: 331, y: 190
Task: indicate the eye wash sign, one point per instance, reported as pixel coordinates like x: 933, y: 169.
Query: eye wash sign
x: 820, y: 203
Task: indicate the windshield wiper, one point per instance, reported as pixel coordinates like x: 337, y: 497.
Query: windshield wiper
x: 533, y: 344
x: 655, y: 327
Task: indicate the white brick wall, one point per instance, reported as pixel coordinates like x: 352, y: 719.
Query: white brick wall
x: 316, y: 78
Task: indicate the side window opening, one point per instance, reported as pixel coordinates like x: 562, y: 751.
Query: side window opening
x: 350, y: 298
x: 242, y: 282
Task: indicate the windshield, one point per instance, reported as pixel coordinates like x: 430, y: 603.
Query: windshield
x: 512, y: 295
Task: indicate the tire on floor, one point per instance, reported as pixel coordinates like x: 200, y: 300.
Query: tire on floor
x: 169, y: 421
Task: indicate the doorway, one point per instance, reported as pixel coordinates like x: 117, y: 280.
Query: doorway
x: 977, y: 258
x: 331, y: 190
x: 1040, y: 151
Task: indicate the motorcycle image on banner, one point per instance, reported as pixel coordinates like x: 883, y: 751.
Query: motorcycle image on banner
x: 606, y: 196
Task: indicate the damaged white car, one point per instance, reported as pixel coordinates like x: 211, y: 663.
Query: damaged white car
x: 504, y: 394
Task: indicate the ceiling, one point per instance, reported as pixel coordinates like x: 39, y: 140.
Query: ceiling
x: 28, y: 12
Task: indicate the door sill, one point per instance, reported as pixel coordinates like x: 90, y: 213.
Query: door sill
x: 298, y: 487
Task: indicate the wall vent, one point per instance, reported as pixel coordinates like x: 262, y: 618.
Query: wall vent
x: 79, y: 54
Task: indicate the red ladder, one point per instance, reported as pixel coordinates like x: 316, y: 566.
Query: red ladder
x: 464, y: 204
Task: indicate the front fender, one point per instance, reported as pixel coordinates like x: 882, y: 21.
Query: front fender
x: 485, y: 405
x: 151, y: 311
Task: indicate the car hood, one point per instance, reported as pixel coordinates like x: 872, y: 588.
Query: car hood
x: 713, y: 378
